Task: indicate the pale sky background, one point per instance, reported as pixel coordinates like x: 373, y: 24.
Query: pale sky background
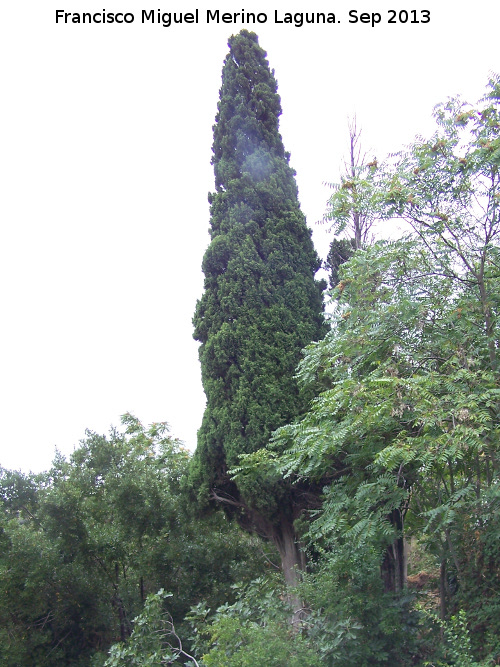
x: 106, y: 134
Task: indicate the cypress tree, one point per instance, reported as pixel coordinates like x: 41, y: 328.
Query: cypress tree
x: 261, y: 304
x: 341, y: 251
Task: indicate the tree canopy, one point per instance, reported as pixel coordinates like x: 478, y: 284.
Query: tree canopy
x: 83, y: 545
x: 408, y: 419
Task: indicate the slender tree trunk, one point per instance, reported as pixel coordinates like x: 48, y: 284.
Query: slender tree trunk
x: 117, y: 602
x: 442, y: 589
x: 488, y: 321
x: 406, y: 548
x: 393, y: 568
x: 141, y: 588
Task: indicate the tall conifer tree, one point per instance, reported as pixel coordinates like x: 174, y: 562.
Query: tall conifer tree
x: 261, y: 305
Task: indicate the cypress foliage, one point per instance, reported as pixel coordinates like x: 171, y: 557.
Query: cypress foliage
x: 261, y: 305
x: 341, y: 251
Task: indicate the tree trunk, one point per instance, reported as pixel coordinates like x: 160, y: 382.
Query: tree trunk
x: 141, y: 588
x: 442, y: 589
x: 393, y: 568
x: 407, y: 548
x: 293, y: 563
x: 293, y: 560
x: 117, y: 602
x: 282, y: 534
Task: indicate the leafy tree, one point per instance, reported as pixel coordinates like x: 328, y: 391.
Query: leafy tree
x: 82, y: 546
x: 408, y: 422
x: 261, y: 304
x: 46, y: 601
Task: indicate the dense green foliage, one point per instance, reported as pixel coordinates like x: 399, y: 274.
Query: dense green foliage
x: 104, y: 560
x: 261, y: 304
x: 154, y: 640
x: 340, y: 251
x: 83, y: 545
x: 408, y: 419
x: 343, y: 627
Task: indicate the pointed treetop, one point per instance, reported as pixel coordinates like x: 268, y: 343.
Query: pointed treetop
x: 248, y: 110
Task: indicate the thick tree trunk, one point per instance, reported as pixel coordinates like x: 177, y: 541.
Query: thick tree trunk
x: 293, y: 560
x: 293, y: 563
x: 281, y: 532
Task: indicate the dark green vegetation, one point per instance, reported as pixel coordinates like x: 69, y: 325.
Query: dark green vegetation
x: 393, y: 467
x: 261, y: 304
x: 83, y: 545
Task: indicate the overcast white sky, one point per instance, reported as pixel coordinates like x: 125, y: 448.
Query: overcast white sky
x: 105, y: 168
